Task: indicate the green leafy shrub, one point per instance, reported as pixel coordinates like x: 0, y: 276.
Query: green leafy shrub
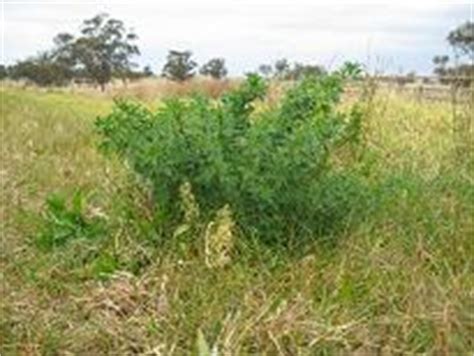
x: 64, y: 222
x: 272, y: 167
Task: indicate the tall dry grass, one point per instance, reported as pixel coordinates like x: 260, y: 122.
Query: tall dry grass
x: 154, y: 89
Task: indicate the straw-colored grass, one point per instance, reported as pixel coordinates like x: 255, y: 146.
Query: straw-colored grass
x: 147, y: 89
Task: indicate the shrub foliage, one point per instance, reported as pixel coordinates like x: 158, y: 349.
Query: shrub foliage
x: 271, y: 166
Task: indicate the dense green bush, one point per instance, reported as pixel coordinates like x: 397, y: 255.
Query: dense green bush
x: 272, y: 167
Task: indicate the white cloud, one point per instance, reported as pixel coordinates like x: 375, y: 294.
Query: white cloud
x: 248, y: 32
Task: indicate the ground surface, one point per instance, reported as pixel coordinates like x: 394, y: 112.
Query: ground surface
x: 401, y: 282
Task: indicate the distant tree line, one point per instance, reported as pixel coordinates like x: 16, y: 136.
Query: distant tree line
x: 180, y: 67
x: 104, y: 50
x: 283, y: 70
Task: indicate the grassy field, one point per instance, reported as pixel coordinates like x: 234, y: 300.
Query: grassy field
x: 399, y: 282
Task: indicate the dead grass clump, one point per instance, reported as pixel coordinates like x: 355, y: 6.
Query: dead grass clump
x: 125, y: 296
x: 124, y: 311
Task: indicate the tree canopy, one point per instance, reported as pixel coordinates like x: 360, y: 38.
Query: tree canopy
x: 179, y: 66
x: 104, y: 48
x: 214, y: 68
x: 462, y: 39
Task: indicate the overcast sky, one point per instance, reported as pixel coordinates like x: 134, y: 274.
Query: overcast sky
x: 393, y: 38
